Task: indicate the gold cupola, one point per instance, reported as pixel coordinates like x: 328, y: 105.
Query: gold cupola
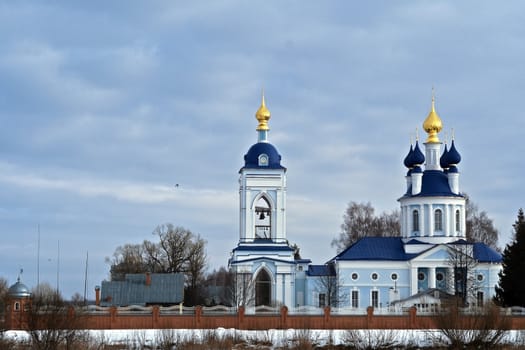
x: 263, y: 115
x: 433, y: 125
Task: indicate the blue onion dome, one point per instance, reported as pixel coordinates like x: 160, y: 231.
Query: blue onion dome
x: 18, y: 290
x: 443, y: 162
x: 263, y: 155
x: 418, y: 157
x: 453, y: 156
x: 408, y: 159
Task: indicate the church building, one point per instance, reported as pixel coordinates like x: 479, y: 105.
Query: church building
x: 430, y: 259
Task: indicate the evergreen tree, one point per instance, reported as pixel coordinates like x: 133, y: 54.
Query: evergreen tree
x: 510, y: 290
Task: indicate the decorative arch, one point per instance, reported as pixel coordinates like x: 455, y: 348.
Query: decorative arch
x: 263, y: 286
x: 262, y: 209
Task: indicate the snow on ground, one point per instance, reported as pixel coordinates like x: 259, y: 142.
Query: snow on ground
x: 423, y: 338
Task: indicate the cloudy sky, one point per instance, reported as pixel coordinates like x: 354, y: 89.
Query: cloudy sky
x: 105, y: 106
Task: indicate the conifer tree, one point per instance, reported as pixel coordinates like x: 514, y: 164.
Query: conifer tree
x: 510, y: 290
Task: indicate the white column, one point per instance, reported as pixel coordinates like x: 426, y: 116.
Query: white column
x: 431, y: 277
x: 413, y: 280
x: 289, y: 286
x: 278, y: 287
x: 422, y: 219
x: 463, y: 221
x: 430, y: 220
x: 447, y: 221
x: 404, y: 221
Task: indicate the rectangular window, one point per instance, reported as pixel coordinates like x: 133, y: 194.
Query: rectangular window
x: 375, y: 298
x: 322, y: 300
x: 355, y: 298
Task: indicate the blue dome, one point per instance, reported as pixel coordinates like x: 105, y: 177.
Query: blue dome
x: 453, y: 156
x: 251, y: 159
x: 18, y: 290
x: 417, y: 156
x: 443, y: 162
x: 408, y: 158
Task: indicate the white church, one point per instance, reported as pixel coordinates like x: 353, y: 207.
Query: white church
x: 429, y: 261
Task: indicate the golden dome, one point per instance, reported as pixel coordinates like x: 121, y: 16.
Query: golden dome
x: 432, y: 125
x: 263, y: 115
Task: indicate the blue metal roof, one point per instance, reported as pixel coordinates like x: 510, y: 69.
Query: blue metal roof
x: 392, y: 248
x: 303, y: 261
x: 234, y: 262
x: 375, y: 248
x: 263, y: 248
x: 321, y: 270
x: 484, y: 253
x: 434, y: 183
x: 251, y: 159
x: 415, y: 241
x: 164, y: 288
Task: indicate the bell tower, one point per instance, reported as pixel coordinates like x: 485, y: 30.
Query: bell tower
x: 262, y: 188
x: 263, y: 261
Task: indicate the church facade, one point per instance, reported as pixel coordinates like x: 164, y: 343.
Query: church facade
x: 430, y: 260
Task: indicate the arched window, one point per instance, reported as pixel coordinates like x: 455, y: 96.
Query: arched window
x: 263, y: 219
x: 438, y: 220
x: 458, y: 226
x: 415, y: 221
x: 17, y: 306
x: 263, y: 285
x: 263, y: 159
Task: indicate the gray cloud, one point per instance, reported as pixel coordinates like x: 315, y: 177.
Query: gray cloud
x: 105, y: 107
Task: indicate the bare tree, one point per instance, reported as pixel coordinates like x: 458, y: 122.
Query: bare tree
x: 3, y: 300
x: 219, y: 287
x: 173, y: 247
x: 483, y: 328
x: 480, y: 228
x: 51, y: 324
x: 328, y: 284
x: 196, y: 266
x: 177, y: 250
x: 244, y: 289
x: 463, y: 280
x: 360, y: 221
x: 126, y: 259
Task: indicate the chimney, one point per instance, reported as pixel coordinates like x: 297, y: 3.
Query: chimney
x: 97, y: 295
x: 148, y: 279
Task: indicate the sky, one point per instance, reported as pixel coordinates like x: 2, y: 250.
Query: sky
x: 106, y: 106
